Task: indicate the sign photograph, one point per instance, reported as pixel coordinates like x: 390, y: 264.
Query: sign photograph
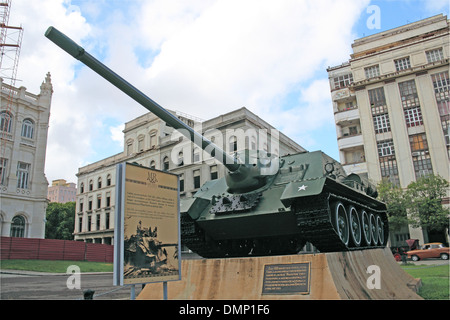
x: 148, y: 218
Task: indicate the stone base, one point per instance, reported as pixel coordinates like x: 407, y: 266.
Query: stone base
x: 331, y: 276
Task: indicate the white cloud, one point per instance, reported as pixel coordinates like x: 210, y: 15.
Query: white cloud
x: 117, y: 134
x: 437, y: 5
x: 205, y: 58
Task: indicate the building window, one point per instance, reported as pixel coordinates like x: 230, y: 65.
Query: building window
x: 233, y: 144
x: 441, y: 84
x: 413, y: 117
x: 81, y: 205
x: 420, y: 155
x: 386, y: 148
x: 3, y: 167
x: 372, y: 71
x: 82, y: 187
x: 343, y: 81
x: 402, y: 64
x: 180, y: 158
x: 108, y: 180
x: 422, y: 165
x: 389, y: 169
x: 80, y: 224
x: 18, y: 227
x: 377, y: 100
x: 181, y: 182
x: 23, y: 171
x: 107, y: 223
x: 97, y: 223
x: 27, y: 129
x: 444, y: 108
x: 446, y: 129
x: 418, y: 142
x: 91, y: 185
x: 153, y: 164
x: 381, y: 123
x: 89, y: 223
x: 196, y: 179
x: 166, y: 164
x: 99, y: 183
x: 435, y: 55
x: 408, y: 94
x: 153, y: 140
x: 99, y: 202
x: 90, y: 204
x: 214, y: 173
x: 5, y: 121
x: 141, y: 143
x: 129, y: 148
x: 196, y: 155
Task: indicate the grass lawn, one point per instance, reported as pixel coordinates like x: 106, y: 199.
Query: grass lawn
x: 435, y: 280
x: 54, y: 266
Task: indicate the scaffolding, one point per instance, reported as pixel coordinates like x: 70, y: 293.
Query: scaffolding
x: 10, y: 44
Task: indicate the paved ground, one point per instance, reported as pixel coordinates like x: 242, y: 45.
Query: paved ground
x: 41, y: 286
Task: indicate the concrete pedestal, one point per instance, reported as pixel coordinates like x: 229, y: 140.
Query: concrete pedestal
x: 368, y: 274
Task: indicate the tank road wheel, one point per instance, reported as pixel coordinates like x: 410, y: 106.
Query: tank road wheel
x: 380, y: 230
x: 355, y: 226
x: 365, y: 224
x: 340, y: 222
x: 373, y: 229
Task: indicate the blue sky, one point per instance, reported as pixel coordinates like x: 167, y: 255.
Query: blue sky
x: 201, y: 57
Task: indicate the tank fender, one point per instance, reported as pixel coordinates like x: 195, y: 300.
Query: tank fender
x: 193, y: 206
x: 303, y: 188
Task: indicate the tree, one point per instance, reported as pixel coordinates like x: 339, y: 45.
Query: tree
x: 424, y: 203
x: 60, y: 221
x: 394, y: 198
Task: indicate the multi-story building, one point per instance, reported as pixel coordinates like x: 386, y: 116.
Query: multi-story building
x: 24, y: 121
x: 391, y: 106
x: 150, y: 142
x: 62, y: 191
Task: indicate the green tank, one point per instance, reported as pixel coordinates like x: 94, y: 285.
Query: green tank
x: 265, y: 205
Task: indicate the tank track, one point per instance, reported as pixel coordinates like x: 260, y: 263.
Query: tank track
x: 195, y: 239
x: 314, y: 221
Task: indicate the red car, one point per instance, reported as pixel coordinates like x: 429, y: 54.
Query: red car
x: 429, y: 250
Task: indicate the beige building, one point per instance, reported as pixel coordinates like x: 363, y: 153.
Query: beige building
x: 150, y: 142
x: 23, y: 185
x: 391, y: 106
x: 62, y: 191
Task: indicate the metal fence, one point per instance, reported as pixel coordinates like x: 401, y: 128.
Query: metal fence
x: 51, y: 249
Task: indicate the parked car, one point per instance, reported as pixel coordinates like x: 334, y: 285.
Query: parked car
x: 429, y: 250
x: 398, y: 252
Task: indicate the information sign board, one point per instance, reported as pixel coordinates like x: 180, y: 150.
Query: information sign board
x: 147, y: 226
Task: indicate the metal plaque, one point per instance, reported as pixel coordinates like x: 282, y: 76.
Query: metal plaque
x: 293, y: 278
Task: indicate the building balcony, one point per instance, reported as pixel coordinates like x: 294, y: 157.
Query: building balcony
x: 346, y: 115
x: 341, y: 94
x: 350, y: 141
x: 358, y: 168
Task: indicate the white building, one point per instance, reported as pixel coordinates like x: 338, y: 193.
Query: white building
x: 392, y: 107
x: 23, y: 185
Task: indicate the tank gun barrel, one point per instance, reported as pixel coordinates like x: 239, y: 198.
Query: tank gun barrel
x: 76, y: 51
